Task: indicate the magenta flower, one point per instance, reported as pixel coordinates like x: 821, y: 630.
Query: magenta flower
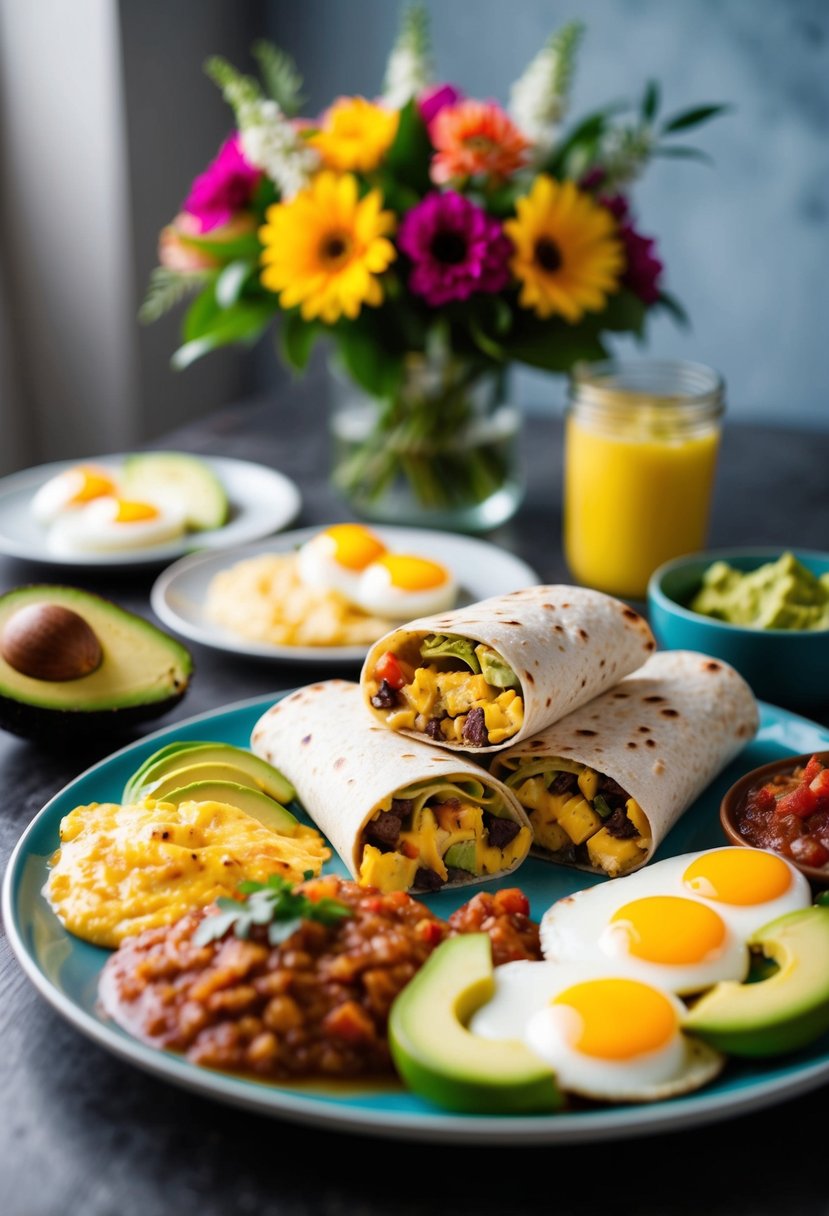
x: 432, y: 101
x: 643, y: 269
x: 225, y: 188
x: 455, y: 249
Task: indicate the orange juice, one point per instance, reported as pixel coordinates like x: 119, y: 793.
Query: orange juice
x: 638, y: 477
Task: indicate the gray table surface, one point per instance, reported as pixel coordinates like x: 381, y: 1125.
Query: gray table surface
x: 82, y: 1132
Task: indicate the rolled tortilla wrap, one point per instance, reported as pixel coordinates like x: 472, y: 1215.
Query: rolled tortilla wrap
x: 402, y: 815
x: 604, y: 786
x: 540, y: 652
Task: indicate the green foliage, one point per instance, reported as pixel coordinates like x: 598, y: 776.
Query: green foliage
x: 407, y: 160
x: 414, y: 30
x: 231, y: 250
x: 239, y: 91
x: 625, y: 313
x: 297, y: 338
x: 280, y: 76
x: 693, y: 118
x: 167, y: 288
x: 274, y: 903
x: 215, y: 327
x: 565, y: 43
x: 553, y: 345
x: 672, y: 306
x: 366, y: 359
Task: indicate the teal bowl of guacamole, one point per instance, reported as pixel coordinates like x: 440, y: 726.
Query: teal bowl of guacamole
x: 764, y: 611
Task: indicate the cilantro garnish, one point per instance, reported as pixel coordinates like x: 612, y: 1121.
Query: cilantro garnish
x: 274, y: 903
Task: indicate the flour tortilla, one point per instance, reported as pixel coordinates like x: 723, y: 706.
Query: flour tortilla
x: 663, y: 734
x: 344, y: 764
x: 565, y: 644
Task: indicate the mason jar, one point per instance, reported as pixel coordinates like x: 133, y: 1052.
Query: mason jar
x: 640, y: 452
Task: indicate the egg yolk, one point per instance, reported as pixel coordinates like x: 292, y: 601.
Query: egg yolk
x: 354, y: 546
x: 617, y: 1019
x: 669, y: 929
x: 412, y: 573
x: 91, y: 483
x: 738, y: 876
x: 129, y: 512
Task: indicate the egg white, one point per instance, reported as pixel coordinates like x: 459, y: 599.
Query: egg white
x: 55, y: 496
x: 94, y: 528
x: 318, y: 567
x: 377, y: 594
x: 520, y: 1008
x: 578, y: 926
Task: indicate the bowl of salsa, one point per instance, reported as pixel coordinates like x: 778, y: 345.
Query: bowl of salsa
x: 784, y: 806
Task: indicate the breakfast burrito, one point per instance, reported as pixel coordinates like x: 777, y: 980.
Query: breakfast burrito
x: 604, y: 785
x: 488, y: 675
x: 401, y: 816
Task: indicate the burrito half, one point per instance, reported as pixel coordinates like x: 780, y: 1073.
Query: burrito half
x: 403, y: 816
x: 488, y: 675
x: 603, y: 786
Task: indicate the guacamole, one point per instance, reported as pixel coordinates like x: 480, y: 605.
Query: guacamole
x: 778, y: 595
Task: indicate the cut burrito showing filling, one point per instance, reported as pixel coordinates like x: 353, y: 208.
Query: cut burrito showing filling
x: 403, y: 816
x: 603, y: 786
x: 488, y: 675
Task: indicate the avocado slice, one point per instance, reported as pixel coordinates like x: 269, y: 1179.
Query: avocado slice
x: 441, y: 1060
x: 180, y: 745
x: 252, y: 802
x: 184, y: 479
x: 781, y: 1013
x: 462, y: 856
x: 143, y: 672
x: 152, y: 778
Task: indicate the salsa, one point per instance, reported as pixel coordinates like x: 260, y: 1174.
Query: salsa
x: 789, y: 813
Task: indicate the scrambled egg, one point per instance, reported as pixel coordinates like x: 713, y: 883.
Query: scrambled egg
x: 122, y: 869
x: 263, y: 599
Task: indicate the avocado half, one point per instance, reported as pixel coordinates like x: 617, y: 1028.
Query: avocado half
x: 142, y: 671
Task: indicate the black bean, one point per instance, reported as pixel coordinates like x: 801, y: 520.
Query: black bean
x: 433, y: 729
x: 385, y: 697
x: 501, y: 831
x: 474, y: 728
x: 427, y: 880
x: 384, y: 831
x: 562, y: 783
x: 619, y: 825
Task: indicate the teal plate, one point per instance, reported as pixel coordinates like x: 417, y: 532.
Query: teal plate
x: 65, y: 971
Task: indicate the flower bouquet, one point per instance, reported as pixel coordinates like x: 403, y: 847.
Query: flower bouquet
x: 435, y: 240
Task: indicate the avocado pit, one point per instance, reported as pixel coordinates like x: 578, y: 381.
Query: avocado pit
x: 50, y: 642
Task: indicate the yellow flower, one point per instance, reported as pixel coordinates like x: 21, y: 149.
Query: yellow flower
x: 356, y: 134
x: 323, y: 249
x: 567, y: 257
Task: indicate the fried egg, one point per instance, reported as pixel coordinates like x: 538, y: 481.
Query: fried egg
x: 110, y: 524
x: 401, y: 586
x: 681, y: 923
x: 606, y: 1034
x: 71, y: 489
x: 334, y: 559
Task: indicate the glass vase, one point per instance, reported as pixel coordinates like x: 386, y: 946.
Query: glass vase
x: 440, y: 452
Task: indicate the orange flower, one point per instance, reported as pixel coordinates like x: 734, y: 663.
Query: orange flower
x: 476, y: 137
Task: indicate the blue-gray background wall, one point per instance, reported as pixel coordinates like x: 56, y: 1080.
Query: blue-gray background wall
x: 746, y: 243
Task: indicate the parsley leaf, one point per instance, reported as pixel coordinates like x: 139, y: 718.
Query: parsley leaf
x: 274, y: 903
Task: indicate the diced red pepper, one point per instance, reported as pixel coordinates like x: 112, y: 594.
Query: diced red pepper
x: 764, y: 798
x: 801, y: 802
x: 820, y: 787
x: 389, y: 668
x: 431, y: 931
x: 409, y: 849
x: 809, y: 852
x: 511, y: 901
x: 811, y: 770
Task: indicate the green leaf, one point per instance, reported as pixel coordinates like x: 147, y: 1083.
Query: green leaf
x: 555, y: 346
x: 583, y: 139
x: 167, y: 288
x: 200, y: 316
x: 650, y: 101
x: 366, y: 359
x: 245, y: 246
x: 280, y: 76
x: 489, y: 319
x: 670, y: 153
x: 692, y: 118
x: 673, y: 306
x: 625, y: 313
x: 296, y: 339
x: 409, y: 156
x: 245, y: 323
x: 231, y: 282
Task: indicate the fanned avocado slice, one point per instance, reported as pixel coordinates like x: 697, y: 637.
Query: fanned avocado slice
x: 72, y: 661
x: 252, y: 802
x: 183, y: 478
x: 202, y: 762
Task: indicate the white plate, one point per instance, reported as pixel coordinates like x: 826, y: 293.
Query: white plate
x: 180, y: 592
x: 261, y: 502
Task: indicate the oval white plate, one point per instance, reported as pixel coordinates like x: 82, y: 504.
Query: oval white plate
x: 180, y: 592
x: 262, y: 501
